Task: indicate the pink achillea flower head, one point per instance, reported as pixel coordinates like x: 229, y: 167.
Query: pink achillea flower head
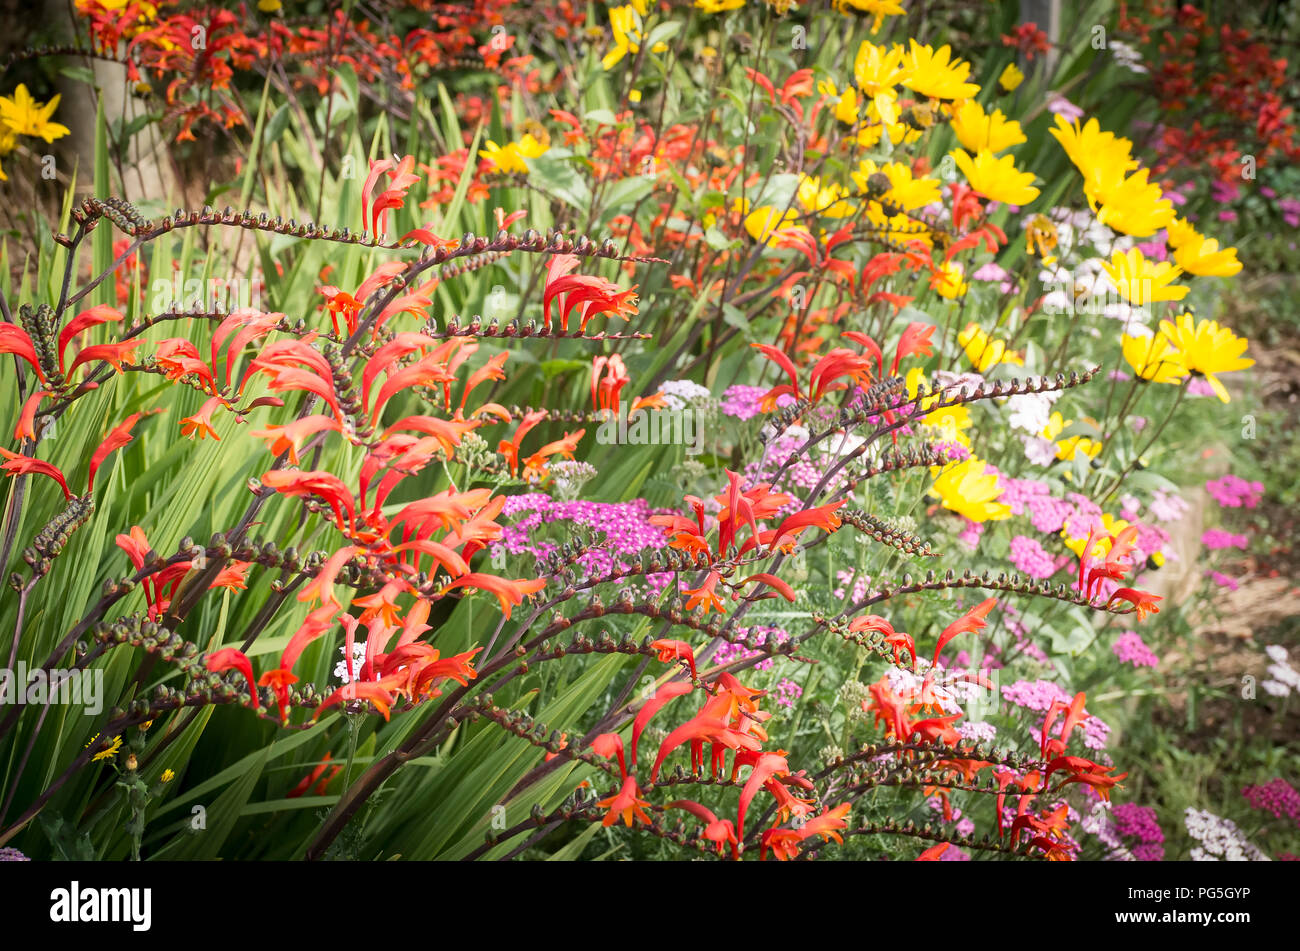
x: 1167, y: 508
x: 1276, y: 796
x: 1130, y: 649
x: 1216, y: 539
x: 1030, y: 558
x: 1235, y: 492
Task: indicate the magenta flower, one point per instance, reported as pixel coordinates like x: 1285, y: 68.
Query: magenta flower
x: 1235, y: 492
x: 1130, y: 649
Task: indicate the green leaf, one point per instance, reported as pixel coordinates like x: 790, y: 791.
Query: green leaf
x: 220, y: 817
x: 562, y: 180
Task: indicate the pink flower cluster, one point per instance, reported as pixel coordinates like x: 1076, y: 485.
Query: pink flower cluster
x: 1030, y: 558
x: 625, y: 525
x: 1032, y: 497
x: 1235, y: 492
x: 741, y: 402
x: 1278, y: 797
x: 1216, y: 539
x: 1039, y: 694
x: 786, y: 692
x: 1130, y: 649
x: 1139, y: 822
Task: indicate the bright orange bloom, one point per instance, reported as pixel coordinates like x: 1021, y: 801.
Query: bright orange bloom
x: 290, y: 437
x: 373, y: 691
x: 594, y: 294
x: 325, y: 485
x: 675, y: 650
x: 897, y: 640
x: 652, y: 706
x: 1143, y: 601
x: 279, y: 680
x: 720, y: 831
x: 510, y: 449
x: 509, y: 593
x: 625, y: 803
x: 605, y: 392
x: 933, y: 854
x: 26, y: 428
x: 972, y: 620
x: 114, y: 354
x: 201, y: 422
x: 232, y: 577
x: 706, y: 594
x: 829, y: 824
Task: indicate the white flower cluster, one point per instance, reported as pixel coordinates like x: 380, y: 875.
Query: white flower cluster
x: 1283, y: 678
x: 951, y: 690
x: 1221, y: 840
x: 1127, y: 56
x: 678, y: 394
x: 1098, y: 822
x: 358, y: 658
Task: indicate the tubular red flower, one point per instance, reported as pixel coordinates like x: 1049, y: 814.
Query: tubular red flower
x: 84, y: 321
x: 509, y: 593
x: 230, y: 657
x: 15, y: 340
x: 21, y: 465
x: 117, y: 437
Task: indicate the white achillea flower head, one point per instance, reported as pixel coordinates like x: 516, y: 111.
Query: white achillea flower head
x: 358, y: 658
x: 1221, y: 840
x: 679, y: 393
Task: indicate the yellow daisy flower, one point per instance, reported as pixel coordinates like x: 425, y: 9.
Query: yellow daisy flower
x: 1067, y: 449
x: 1131, y: 205
x: 977, y: 129
x: 1140, y: 281
x: 879, y: 9
x: 626, y: 24
x: 935, y: 74
x: 877, y: 71
x: 107, y: 753
x: 951, y: 421
x: 25, y: 116
x: 997, y: 179
x: 828, y: 201
x: 1011, y: 78
x: 965, y: 488
x: 762, y: 221
x: 1102, y: 158
x: 984, y: 351
x: 716, y: 6
x: 905, y: 190
x: 1154, y: 359
x: 1197, y: 254
x: 1207, y: 349
x: 510, y: 157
